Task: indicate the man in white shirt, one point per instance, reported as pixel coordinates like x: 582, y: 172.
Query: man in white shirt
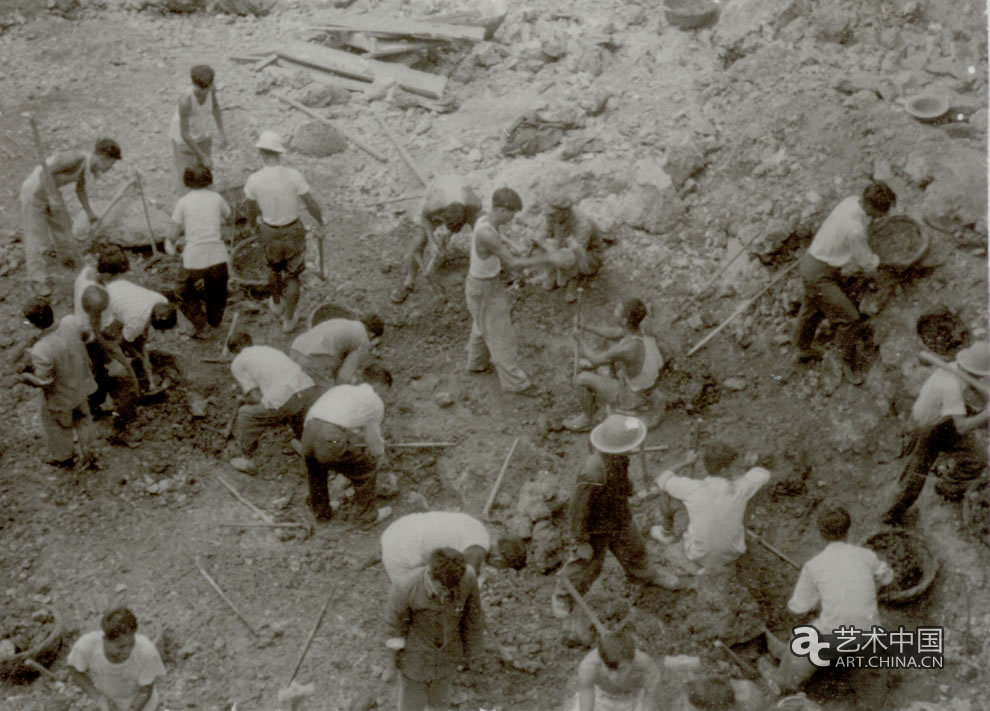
x: 716, y: 506
x: 333, y: 351
x: 275, y: 191
x: 409, y: 540
x: 939, y: 423
x: 136, y: 309
x: 276, y: 390
x: 839, y: 244
x: 117, y: 666
x: 842, y: 580
x: 343, y: 434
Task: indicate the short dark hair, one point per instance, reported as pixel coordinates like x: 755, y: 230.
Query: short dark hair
x: 711, y: 694
x: 39, y: 313
x: 833, y: 523
x: 374, y: 324
x: 454, y: 216
x: 375, y: 373
x: 118, y: 623
x: 615, y: 648
x: 112, y: 260
x: 202, y: 76
x: 879, y: 197
x: 718, y: 456
x: 512, y: 550
x: 507, y: 198
x: 197, y: 177
x: 633, y: 312
x: 239, y: 341
x: 108, y: 148
x: 447, y: 567
x: 163, y: 316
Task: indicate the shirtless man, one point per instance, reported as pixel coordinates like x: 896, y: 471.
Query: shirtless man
x: 635, y: 359
x: 617, y: 677
x: 449, y: 205
x: 45, y: 230
x: 192, y: 143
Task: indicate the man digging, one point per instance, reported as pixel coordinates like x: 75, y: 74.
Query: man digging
x: 570, y: 229
x: 634, y: 358
x: 192, y: 140
x: 448, y: 206
x: 617, y: 677
x: 334, y: 352
x: 275, y: 191
x: 43, y: 229
x: 601, y: 520
x: 137, y: 310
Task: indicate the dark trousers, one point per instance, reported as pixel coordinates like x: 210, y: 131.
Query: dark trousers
x: 927, y: 445
x: 123, y: 389
x: 823, y: 297
x: 205, y: 288
x: 326, y: 448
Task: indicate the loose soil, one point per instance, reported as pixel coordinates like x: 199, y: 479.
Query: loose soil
x: 898, y: 552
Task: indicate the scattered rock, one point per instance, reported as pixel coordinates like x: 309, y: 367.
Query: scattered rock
x: 682, y: 161
x: 734, y: 384
x: 696, y: 322
x: 546, y: 550
x: 443, y: 399
x: 323, y: 95
x: 257, y: 8
x: 315, y: 138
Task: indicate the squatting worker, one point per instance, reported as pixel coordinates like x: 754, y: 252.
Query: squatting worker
x: 275, y: 191
x: 192, y: 141
x: 839, y: 245
x: 44, y: 230
x: 449, y: 205
x: 344, y: 418
x: 493, y: 339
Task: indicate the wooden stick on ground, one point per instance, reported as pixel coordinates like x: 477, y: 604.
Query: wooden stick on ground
x: 407, y: 159
x: 742, y: 250
x: 223, y: 596
x: 577, y: 327
x: 147, y: 215
x: 346, y: 134
x: 501, y: 476
x: 772, y: 549
x: 750, y: 672
x: 258, y: 512
x: 742, y: 307
x: 972, y: 382
x: 262, y: 524
x: 271, y: 59
x: 599, y: 627
x: 309, y: 640
x: 40, y: 669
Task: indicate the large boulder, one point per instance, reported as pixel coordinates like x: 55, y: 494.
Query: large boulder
x: 315, y: 138
x: 958, y: 194
x: 742, y: 21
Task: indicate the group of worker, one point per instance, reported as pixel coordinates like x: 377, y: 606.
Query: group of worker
x: 331, y: 393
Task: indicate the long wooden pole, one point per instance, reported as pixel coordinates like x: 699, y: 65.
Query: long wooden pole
x: 700, y: 344
x: 742, y: 251
x: 117, y: 197
x: 599, y: 627
x: 777, y: 552
x: 346, y: 134
x: 258, y: 512
x: 147, y: 215
x: 972, y: 382
x: 501, y: 476
x: 223, y: 596
x: 407, y: 159
x: 577, y: 326
x: 309, y: 640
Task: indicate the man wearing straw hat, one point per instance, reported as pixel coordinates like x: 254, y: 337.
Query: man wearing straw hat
x: 601, y: 520
x: 275, y: 191
x: 939, y: 423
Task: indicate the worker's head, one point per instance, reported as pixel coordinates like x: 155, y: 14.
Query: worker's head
x: 376, y: 375
x: 38, y: 313
x: 270, y: 146
x: 94, y: 301
x: 202, y: 80
x: 163, y: 316
x: 617, y: 651
x: 197, y: 177
x: 713, y: 693
x: 505, y: 204
x: 106, y: 152
x: 717, y: 457
x: 508, y: 552
x: 877, y: 199
x: 630, y: 313
x: 446, y: 570
x: 119, y: 627
x: 833, y: 523
x: 454, y: 217
x: 239, y: 341
x: 111, y: 261
x: 374, y: 325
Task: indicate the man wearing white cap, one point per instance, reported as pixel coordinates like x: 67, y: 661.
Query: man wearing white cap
x: 601, y: 519
x: 940, y: 424
x: 275, y: 191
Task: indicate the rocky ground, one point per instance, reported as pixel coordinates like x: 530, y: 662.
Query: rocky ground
x: 687, y: 147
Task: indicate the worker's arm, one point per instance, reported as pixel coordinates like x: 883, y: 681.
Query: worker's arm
x: 185, y: 108
x: 251, y: 397
x: 611, y: 333
x: 968, y: 424
x: 313, y: 207
x: 353, y: 360
x: 472, y: 625
x: 805, y: 597
x: 489, y: 241
x: 861, y: 252
x: 142, y: 696
x: 374, y: 439
x: 619, y: 353
x: 146, y: 359
x: 398, y: 616
x: 586, y: 683
x: 217, y: 116
x: 83, y: 681
x: 81, y: 193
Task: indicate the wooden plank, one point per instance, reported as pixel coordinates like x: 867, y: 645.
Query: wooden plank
x: 388, y: 49
x: 403, y: 152
x: 285, y: 66
x: 322, y: 119
x: 314, y: 55
x: 403, y: 27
